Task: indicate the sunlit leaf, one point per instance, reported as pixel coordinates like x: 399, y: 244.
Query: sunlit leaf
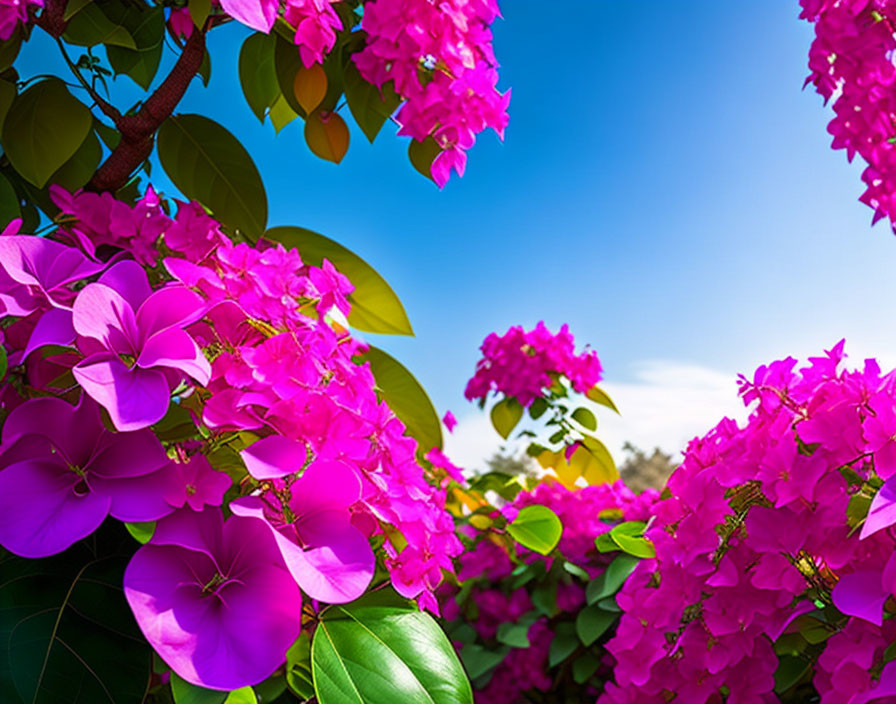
x: 537, y: 528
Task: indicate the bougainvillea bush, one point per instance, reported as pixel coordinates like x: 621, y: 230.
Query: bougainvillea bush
x: 210, y: 489
x: 532, y: 604
x: 774, y: 566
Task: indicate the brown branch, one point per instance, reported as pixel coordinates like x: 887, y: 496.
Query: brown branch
x: 138, y: 130
x: 52, y: 19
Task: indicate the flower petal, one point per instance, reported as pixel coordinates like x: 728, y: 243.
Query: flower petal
x: 40, y: 513
x: 861, y: 594
x: 128, y: 278
x: 172, y: 306
x: 882, y: 513
x: 53, y: 328
x: 175, y: 349
x: 135, y: 398
x: 101, y: 313
x: 274, y: 457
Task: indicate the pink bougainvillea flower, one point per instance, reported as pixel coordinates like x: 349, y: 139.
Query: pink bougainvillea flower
x: 450, y: 421
x: 214, y: 598
x: 198, y: 484
x: 63, y: 473
x: 879, y: 431
x: 135, y: 344
x: 330, y: 559
x: 882, y: 512
x: 861, y: 594
x: 257, y: 14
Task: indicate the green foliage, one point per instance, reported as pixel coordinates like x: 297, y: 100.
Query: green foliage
x: 598, y: 395
x: 406, y: 397
x: 146, y: 25
x: 258, y: 77
x: 90, y: 26
x: 628, y: 538
x: 66, y: 632
x: 592, y: 622
x: 368, y: 106
x: 385, y: 655
x: 43, y: 129
x: 141, y: 532
x: 505, y: 415
x: 298, y: 667
x: 537, y: 528
x: 207, y: 163
x: 375, y: 307
x: 611, y: 580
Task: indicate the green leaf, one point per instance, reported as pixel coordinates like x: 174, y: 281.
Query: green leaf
x: 585, y: 418
x: 142, y: 531
x: 505, y: 415
x: 199, y: 11
x: 147, y: 27
x: 65, y: 626
x: 9, y: 49
x: 790, y: 671
x: 612, y: 579
x: 385, y: 655
x: 286, y: 65
x: 244, y: 695
x: 4, y: 362
x: 375, y: 307
x: 514, y: 634
x: 537, y: 408
x: 205, y: 68
x: 628, y: 537
x: 281, y: 114
x: 9, y: 210
x: 298, y: 667
x: 592, y: 622
x: 604, y: 543
x: 407, y: 399
x: 478, y: 659
x: 598, y: 395
x: 110, y: 136
x: 185, y: 693
x: 537, y: 528
x: 43, y: 129
x: 564, y: 643
x: 544, y: 598
x: 73, y: 7
x: 78, y: 170
x: 605, y: 466
x: 422, y: 154
x: 584, y: 667
x: 368, y: 105
x: 7, y: 95
x: 208, y: 164
x: 90, y: 26
x: 258, y: 77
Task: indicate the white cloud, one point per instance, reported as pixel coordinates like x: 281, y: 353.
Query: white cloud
x: 666, y: 405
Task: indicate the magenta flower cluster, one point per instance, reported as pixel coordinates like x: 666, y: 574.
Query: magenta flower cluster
x: 522, y: 364
x: 151, y: 388
x: 774, y: 538
x: 490, y: 598
x: 13, y: 13
x: 439, y: 58
x: 851, y: 62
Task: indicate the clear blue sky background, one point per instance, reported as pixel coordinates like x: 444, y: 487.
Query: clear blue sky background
x: 665, y: 187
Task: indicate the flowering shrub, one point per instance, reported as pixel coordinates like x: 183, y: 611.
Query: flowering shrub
x: 850, y: 62
x: 212, y: 381
x: 774, y: 553
x: 534, y: 604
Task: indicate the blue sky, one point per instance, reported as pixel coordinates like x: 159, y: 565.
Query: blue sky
x: 665, y: 187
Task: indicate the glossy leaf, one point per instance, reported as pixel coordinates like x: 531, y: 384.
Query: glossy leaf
x: 585, y: 418
x: 91, y: 26
x: 207, y: 163
x: 478, y: 660
x: 327, y: 135
x: 66, y: 627
x: 298, y: 667
x: 9, y: 204
x: 281, y: 114
x: 385, y: 655
x: 375, y: 307
x: 516, y: 635
x: 185, y: 693
x: 43, y: 129
x: 7, y: 95
x: 147, y: 27
x: 310, y: 86
x: 564, y: 643
x: 611, y: 580
x: 628, y: 537
x: 286, y: 65
x: 598, y: 395
x: 422, y: 154
x: 369, y: 106
x: 141, y: 532
x: 199, y: 11
x: 592, y: 622
x: 73, y: 7
x: 406, y: 397
x: 77, y: 171
x: 505, y: 415
x: 600, y: 468
x: 537, y: 528
x: 258, y: 76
